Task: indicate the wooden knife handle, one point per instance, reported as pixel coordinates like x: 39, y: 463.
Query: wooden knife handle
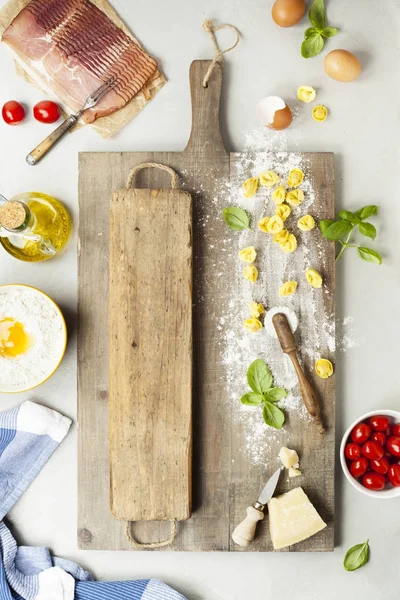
x: 43, y: 148
x: 308, y: 394
x: 246, y: 530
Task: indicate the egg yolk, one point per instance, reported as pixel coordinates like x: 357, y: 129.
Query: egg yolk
x: 14, y: 340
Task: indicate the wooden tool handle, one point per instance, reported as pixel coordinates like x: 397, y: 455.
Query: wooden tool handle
x: 246, y: 530
x: 308, y: 394
x: 44, y: 147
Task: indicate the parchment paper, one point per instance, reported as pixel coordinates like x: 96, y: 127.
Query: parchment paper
x: 105, y: 126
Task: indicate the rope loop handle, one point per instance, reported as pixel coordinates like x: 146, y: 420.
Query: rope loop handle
x: 219, y: 54
x: 150, y: 165
x: 139, y: 545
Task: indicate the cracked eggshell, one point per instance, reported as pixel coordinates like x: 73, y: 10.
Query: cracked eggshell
x: 274, y: 113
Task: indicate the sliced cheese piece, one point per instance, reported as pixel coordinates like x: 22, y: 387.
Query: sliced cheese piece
x: 294, y: 472
x: 289, y: 458
x: 292, y: 519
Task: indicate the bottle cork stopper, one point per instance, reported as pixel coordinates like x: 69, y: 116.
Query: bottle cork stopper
x: 12, y: 215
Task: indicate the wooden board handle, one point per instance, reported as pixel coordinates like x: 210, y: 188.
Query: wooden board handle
x: 205, y: 136
x: 246, y: 530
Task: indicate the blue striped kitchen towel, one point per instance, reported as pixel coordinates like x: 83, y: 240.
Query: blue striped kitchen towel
x: 29, y: 434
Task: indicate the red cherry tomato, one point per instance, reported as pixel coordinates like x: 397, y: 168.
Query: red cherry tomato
x: 372, y: 450
x: 359, y: 467
x: 361, y: 433
x: 379, y: 436
x: 396, y: 429
x: 374, y: 481
x: 352, y: 451
x: 46, y: 111
x: 389, y: 431
x: 393, y: 445
x: 380, y: 465
x: 379, y: 423
x: 394, y: 475
x: 13, y: 112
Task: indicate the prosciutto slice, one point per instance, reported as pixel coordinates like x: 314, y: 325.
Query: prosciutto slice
x: 72, y: 47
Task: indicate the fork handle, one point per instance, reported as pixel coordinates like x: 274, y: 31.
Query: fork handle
x: 37, y: 154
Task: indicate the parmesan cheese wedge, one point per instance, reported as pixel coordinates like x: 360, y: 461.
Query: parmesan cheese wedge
x: 292, y: 519
x: 289, y: 458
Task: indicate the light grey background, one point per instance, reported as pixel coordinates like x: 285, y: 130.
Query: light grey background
x: 363, y: 131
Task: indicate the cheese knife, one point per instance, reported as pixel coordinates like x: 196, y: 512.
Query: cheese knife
x: 246, y: 530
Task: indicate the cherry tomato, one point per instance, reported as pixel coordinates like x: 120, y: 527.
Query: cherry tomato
x: 394, y: 475
x: 352, y: 451
x: 372, y: 450
x: 379, y: 423
x: 380, y: 465
x: 361, y: 433
x: 46, y: 111
x: 379, y: 436
x: 374, y: 481
x: 389, y: 431
x: 396, y: 429
x: 13, y: 112
x: 359, y: 467
x: 393, y: 445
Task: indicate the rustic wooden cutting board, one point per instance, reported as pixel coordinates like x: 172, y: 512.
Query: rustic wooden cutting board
x: 226, y: 478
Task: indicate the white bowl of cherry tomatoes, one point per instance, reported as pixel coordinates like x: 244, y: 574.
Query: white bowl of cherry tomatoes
x: 370, y: 454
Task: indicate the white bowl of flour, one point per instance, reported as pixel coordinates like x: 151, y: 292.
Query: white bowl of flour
x: 33, y: 338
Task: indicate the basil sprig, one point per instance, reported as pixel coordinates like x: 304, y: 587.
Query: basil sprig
x: 356, y: 557
x: 236, y: 218
x: 314, y: 37
x: 341, y: 229
x: 260, y: 380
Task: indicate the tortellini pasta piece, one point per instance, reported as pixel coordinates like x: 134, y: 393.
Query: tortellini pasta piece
x: 289, y: 245
x: 248, y: 255
x: 306, y: 223
x: 281, y: 237
x: 250, y: 272
x: 314, y: 278
x: 283, y: 211
x: 288, y: 288
x: 256, y: 309
x: 305, y: 93
x: 250, y: 187
x: 263, y: 224
x: 295, y: 178
x: 269, y: 179
x: 275, y: 224
x: 252, y: 325
x: 278, y: 195
x: 319, y: 113
x: 324, y: 368
x: 295, y: 197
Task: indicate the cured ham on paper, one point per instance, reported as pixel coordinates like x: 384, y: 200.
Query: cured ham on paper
x: 72, y: 47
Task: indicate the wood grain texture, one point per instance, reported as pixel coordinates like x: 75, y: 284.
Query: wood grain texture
x: 150, y: 358
x: 224, y: 480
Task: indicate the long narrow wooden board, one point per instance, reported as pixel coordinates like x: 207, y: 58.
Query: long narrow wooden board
x: 150, y: 365
x: 226, y: 478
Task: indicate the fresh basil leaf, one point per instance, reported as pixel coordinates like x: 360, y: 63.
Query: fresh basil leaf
x: 338, y: 230
x: 369, y: 255
x: 252, y: 399
x: 259, y: 377
x: 367, y: 211
x: 273, y: 416
x: 317, y: 14
x: 275, y: 394
x: 310, y: 31
x: 368, y: 230
x: 312, y: 45
x: 236, y: 218
x: 349, y: 216
x: 324, y: 224
x: 329, y: 32
x: 356, y: 557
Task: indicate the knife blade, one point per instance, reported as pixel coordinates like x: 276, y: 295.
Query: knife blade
x: 244, y: 533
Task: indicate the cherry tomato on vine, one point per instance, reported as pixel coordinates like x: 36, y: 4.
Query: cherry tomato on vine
x: 378, y: 436
x: 361, y: 433
x: 393, y: 445
x: 372, y: 450
x: 380, y: 465
x: 394, y: 475
x: 352, y: 451
x: 396, y: 429
x: 13, y: 112
x: 359, y: 467
x: 46, y: 111
x: 374, y: 481
x: 379, y: 423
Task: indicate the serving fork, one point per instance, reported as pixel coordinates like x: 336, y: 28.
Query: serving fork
x: 47, y: 144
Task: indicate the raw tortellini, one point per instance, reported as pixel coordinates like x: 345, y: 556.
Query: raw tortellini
x: 256, y: 309
x: 275, y: 224
x: 288, y: 288
x: 252, y: 325
x: 314, y: 278
x: 263, y: 224
x: 281, y: 237
x: 289, y: 245
x: 295, y: 197
x: 250, y: 187
x: 324, y: 368
x: 283, y: 211
x: 250, y: 272
x: 248, y: 255
x: 278, y: 195
x: 295, y: 178
x: 306, y: 223
x: 269, y: 179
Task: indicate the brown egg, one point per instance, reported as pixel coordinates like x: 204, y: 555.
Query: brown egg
x: 342, y: 65
x: 287, y: 13
x: 282, y: 119
x: 274, y: 113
